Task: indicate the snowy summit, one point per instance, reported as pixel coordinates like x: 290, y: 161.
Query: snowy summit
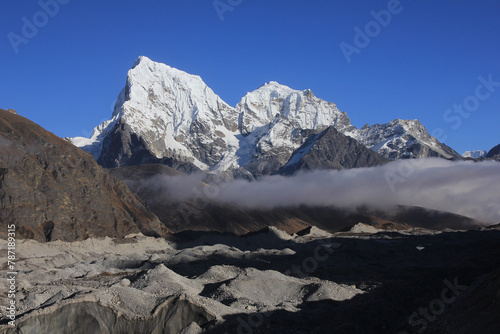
x: 169, y: 116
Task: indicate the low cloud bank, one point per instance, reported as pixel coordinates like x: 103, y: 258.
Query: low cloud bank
x: 466, y: 188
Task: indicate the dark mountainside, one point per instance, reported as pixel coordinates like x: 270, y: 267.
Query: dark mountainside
x: 53, y: 190
x: 331, y: 149
x: 494, y: 153
x: 122, y: 147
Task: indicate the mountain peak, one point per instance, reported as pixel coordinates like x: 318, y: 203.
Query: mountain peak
x: 474, y: 154
x: 274, y: 85
x: 165, y: 115
x: 302, y: 108
x: 141, y: 59
x: 403, y: 138
x: 153, y: 70
x: 277, y: 87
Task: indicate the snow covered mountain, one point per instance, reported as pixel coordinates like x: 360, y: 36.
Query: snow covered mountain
x: 273, y: 119
x: 164, y: 115
x: 474, y: 154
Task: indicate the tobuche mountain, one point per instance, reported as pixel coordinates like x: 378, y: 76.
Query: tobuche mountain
x: 167, y: 116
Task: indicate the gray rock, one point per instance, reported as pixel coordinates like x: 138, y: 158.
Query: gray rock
x: 331, y: 149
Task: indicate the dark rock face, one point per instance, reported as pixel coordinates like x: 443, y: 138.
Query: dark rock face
x: 476, y: 311
x: 123, y: 147
x: 206, y: 147
x: 51, y: 190
x: 494, y: 153
x: 271, y: 153
x: 331, y: 149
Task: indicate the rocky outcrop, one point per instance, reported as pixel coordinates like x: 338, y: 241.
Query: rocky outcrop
x: 494, y: 153
x: 124, y: 147
x: 331, y: 149
x: 52, y: 190
x: 403, y: 139
x: 91, y: 317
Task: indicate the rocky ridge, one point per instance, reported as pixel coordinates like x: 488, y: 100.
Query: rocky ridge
x: 52, y: 190
x: 494, y: 153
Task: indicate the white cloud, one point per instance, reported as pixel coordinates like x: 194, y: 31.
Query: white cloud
x: 466, y: 188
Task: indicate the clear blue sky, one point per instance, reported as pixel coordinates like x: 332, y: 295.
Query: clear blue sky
x: 67, y: 76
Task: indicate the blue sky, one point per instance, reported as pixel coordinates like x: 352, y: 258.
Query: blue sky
x: 66, y: 75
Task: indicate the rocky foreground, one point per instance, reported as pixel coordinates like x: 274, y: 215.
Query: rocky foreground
x: 361, y: 281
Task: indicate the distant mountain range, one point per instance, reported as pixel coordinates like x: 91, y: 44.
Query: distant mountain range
x: 474, y: 154
x: 167, y: 116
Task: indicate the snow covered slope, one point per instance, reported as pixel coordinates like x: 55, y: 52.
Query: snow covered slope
x: 400, y: 139
x: 302, y: 108
x: 474, y: 154
x: 274, y: 119
x: 171, y: 113
x: 164, y: 115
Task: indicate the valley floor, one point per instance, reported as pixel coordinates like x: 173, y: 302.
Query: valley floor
x: 414, y: 281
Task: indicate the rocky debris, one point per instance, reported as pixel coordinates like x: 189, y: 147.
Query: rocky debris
x: 131, y: 288
x: 92, y: 317
x: 192, y: 328
x: 52, y: 190
x: 363, y: 228
x: 474, y: 310
x: 315, y: 282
